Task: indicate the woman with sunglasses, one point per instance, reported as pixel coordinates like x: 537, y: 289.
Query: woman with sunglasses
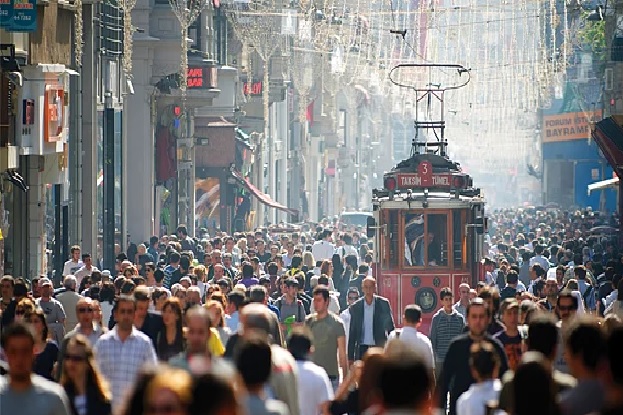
x: 85, y: 387
x: 46, y: 350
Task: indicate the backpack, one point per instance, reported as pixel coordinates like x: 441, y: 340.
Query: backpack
x: 587, y: 294
x: 279, y: 304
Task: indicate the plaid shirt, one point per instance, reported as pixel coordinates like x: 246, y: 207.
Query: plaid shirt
x: 120, y: 361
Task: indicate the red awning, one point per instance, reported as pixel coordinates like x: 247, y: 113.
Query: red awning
x: 261, y: 196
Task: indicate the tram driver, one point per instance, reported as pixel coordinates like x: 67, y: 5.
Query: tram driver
x: 414, y: 244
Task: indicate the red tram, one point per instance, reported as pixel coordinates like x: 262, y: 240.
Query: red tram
x: 428, y: 224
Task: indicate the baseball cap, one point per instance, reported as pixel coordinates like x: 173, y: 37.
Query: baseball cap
x: 508, y: 304
x: 45, y: 281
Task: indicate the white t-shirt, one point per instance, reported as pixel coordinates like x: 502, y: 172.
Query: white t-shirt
x: 473, y: 400
x: 419, y: 342
x: 71, y: 267
x: 314, y: 388
x: 322, y: 250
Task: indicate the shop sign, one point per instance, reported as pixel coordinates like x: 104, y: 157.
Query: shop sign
x: 24, y: 17
x: 53, y: 113
x: 569, y: 126
x: 253, y: 88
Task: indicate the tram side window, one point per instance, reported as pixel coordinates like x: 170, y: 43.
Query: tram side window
x: 430, y: 249
x: 437, y: 240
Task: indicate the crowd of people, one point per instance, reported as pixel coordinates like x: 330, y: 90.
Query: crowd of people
x: 290, y: 323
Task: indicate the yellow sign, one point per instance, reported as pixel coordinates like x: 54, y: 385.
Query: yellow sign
x: 569, y: 126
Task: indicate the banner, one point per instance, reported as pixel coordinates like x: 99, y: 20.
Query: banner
x: 6, y: 13
x: 569, y: 126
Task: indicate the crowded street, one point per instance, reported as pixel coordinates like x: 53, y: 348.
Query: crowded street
x: 304, y: 207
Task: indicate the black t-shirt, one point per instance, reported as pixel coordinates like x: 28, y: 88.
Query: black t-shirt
x: 44, y: 361
x: 512, y: 347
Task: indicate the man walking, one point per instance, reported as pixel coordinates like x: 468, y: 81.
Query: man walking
x: 329, y: 338
x: 447, y: 323
x: 410, y: 335
x: 371, y: 321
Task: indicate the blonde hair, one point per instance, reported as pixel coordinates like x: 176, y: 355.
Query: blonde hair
x: 178, y: 381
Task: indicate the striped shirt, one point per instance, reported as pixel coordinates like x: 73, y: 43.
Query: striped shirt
x: 444, y: 328
x: 120, y: 361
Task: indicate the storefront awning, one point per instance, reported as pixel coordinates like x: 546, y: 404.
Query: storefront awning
x: 603, y: 184
x: 261, y: 196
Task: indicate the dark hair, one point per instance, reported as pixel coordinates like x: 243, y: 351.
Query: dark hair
x: 512, y: 277
x: 445, y: 292
x: 322, y: 290
x: 323, y: 280
x: 254, y: 362
x: 533, y: 378
x: 221, y: 399
x: 567, y: 294
x: 543, y: 334
x: 413, y: 313
x: 158, y: 275
x: 272, y: 268
x: 363, y: 269
x: 38, y: 313
x: 236, y: 298
x: 247, y: 271
x: 396, y: 391
x: 85, y: 256
x: 16, y: 330
x: 257, y: 294
x: 483, y: 358
x: 300, y: 343
x: 585, y: 338
x: 174, y: 257
x: 107, y: 293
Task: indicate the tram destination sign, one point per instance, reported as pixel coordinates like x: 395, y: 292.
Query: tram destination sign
x: 415, y: 180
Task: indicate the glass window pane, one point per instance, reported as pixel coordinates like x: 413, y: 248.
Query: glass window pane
x: 437, y: 240
x: 414, y: 240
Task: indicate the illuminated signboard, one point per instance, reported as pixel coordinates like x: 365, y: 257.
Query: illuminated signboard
x: 254, y: 88
x: 202, y: 77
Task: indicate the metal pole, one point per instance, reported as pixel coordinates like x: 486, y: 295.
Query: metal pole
x: 109, y: 186
x: 58, y: 259
x: 65, y: 234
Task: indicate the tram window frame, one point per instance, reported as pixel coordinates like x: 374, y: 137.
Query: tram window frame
x: 459, y: 258
x: 393, y: 238
x: 408, y: 216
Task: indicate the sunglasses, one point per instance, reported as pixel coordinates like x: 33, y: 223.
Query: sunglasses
x: 20, y: 312
x: 566, y: 308
x: 83, y: 310
x: 353, y: 298
x: 75, y: 358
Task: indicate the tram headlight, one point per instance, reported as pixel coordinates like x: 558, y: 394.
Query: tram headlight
x: 390, y: 184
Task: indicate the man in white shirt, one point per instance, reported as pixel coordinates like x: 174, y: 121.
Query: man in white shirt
x: 484, y: 364
x: 323, y: 249
x: 86, y: 270
x: 314, y: 387
x: 410, y: 335
x: 74, y: 264
x: 347, y: 248
x: 538, y: 258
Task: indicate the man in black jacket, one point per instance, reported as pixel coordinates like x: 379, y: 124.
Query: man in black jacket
x: 371, y: 321
x: 456, y: 376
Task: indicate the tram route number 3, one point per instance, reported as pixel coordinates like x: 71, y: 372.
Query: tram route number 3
x: 424, y: 178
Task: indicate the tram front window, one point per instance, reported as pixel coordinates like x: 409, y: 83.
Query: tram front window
x: 426, y: 244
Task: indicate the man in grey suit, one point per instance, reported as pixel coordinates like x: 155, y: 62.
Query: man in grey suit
x: 371, y: 321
